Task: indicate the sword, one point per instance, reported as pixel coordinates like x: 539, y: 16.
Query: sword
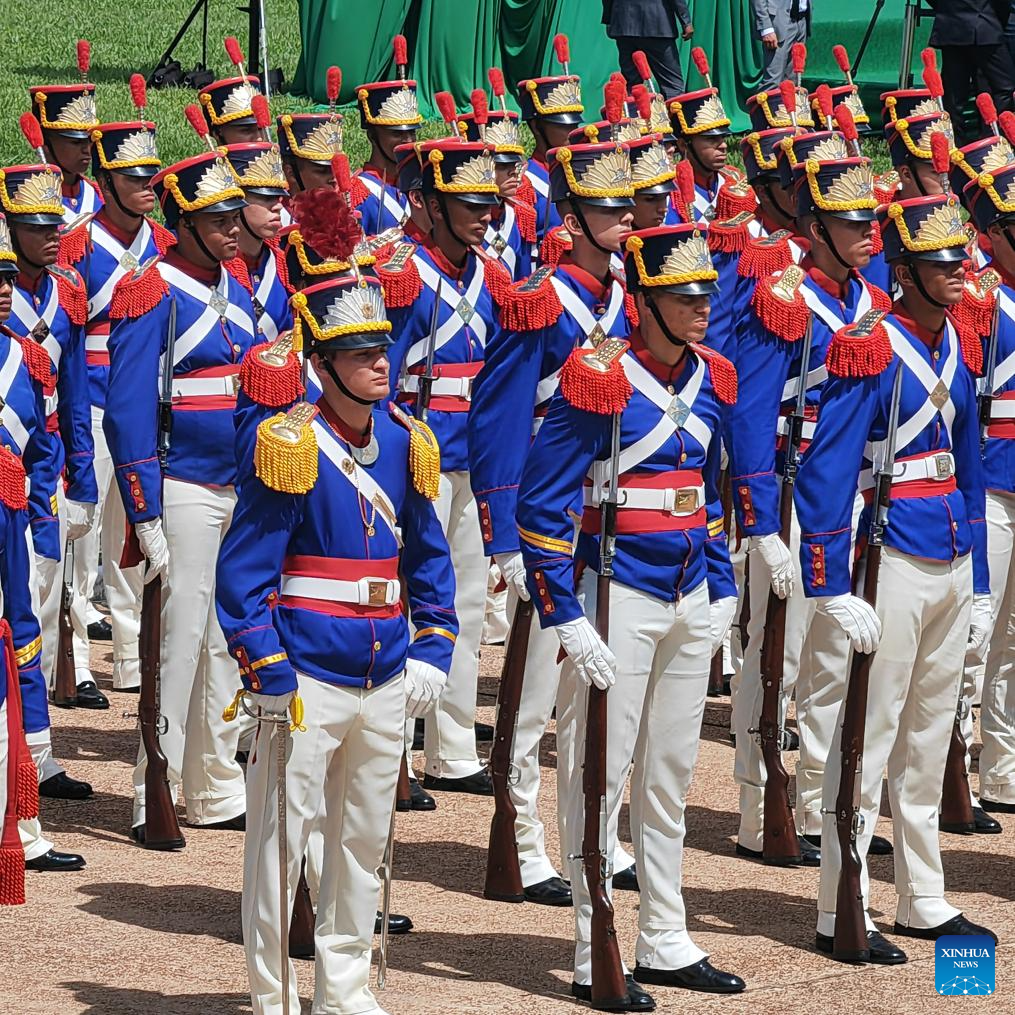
x: 386, y: 863
x: 426, y: 379
x: 281, y: 747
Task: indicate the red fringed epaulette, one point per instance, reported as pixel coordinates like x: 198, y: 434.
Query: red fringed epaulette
x: 71, y: 292
x: 877, y: 244
x: 880, y: 300
x: 270, y: 373
x: 631, y: 309
x: 556, y: 243
x: 722, y: 372
x: 730, y: 236
x: 164, y: 239
x: 860, y: 349
x: 975, y: 311
x: 527, y: 305
x: 780, y: 305
x: 12, y: 480
x: 526, y: 193
x: 525, y: 216
x: 358, y: 192
x: 766, y: 255
x: 400, y: 277
x: 37, y: 361
x: 74, y: 242
x: 237, y: 267
x: 971, y: 347
x: 140, y: 291
x: 281, y: 265
x: 735, y: 196
x: 593, y: 380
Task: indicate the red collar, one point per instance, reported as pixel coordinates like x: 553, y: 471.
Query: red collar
x: 666, y: 373
x: 411, y: 231
x: 29, y: 284
x: 70, y: 189
x: 771, y: 226
x: 932, y: 339
x: 443, y: 263
x: 348, y: 433
x: 834, y: 289
x: 586, y: 280
x: 209, y: 276
x: 124, y: 239
x: 539, y: 162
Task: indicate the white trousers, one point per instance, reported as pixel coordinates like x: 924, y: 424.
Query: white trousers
x: 199, y: 677
x: 654, y: 719
x: 123, y: 587
x: 914, y: 685
x: 814, y: 664
x: 33, y: 841
x: 340, y: 778
x: 997, y: 713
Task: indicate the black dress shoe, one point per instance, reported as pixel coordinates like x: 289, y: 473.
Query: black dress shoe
x: 636, y: 1000
x: 551, y: 892
x: 790, y: 740
x: 626, y: 880
x: 478, y: 783
x: 89, y: 696
x: 62, y: 787
x: 484, y: 732
x: 810, y: 854
x: 985, y: 824
x: 997, y: 807
x: 421, y: 800
x: 879, y: 952
x: 237, y: 824
x: 879, y: 846
x: 956, y: 925
x: 137, y: 833
x: 396, y: 924
x: 702, y: 975
x: 54, y: 861
x: 100, y: 630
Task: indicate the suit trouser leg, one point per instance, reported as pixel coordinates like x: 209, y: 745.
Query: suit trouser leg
x: 450, y: 740
x: 778, y: 64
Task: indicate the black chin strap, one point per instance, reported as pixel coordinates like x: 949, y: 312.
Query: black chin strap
x: 442, y: 203
x: 1008, y: 237
x: 332, y: 373
x: 766, y: 185
x: 694, y: 155
x: 911, y: 264
x: 828, y: 242
x: 295, y: 167
x: 916, y: 178
x: 246, y: 226
x: 580, y: 216
x: 193, y: 230
x: 116, y: 197
x: 663, y: 326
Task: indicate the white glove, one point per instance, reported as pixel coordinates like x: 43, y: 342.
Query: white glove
x: 272, y: 704
x: 591, y: 656
x: 423, y: 686
x: 79, y: 518
x: 980, y: 626
x: 152, y: 538
x: 513, y: 570
x: 720, y: 618
x: 775, y: 553
x: 857, y: 618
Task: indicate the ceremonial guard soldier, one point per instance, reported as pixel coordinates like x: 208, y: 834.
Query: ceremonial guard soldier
x: 389, y: 114
x: 229, y: 103
x: 105, y: 248
x: 442, y: 318
x: 576, y: 303
x: 67, y: 115
x: 899, y: 419
x: 312, y: 605
x: 49, y: 305
x: 307, y: 143
x: 188, y: 307
x: 641, y: 419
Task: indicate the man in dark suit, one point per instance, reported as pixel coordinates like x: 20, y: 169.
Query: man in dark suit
x: 652, y: 26
x: 970, y: 35
x: 780, y: 24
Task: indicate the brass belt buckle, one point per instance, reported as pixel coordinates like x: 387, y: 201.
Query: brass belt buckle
x: 377, y: 593
x: 943, y: 465
x: 686, y: 501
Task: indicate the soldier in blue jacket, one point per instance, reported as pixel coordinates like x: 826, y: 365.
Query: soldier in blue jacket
x: 933, y: 599
x: 334, y: 534
x: 190, y: 301
x: 673, y: 595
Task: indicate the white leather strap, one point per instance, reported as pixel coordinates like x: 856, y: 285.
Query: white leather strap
x: 99, y: 303
x: 684, y: 500
x: 456, y: 386
x: 806, y: 431
x: 397, y: 211
x: 502, y: 233
x: 451, y: 295
x: 938, y: 467
x: 8, y: 417
x: 263, y: 292
x: 584, y: 317
x: 205, y: 387
x: 364, y: 592
x: 27, y: 314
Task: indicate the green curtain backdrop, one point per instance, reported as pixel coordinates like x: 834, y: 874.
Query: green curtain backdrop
x: 453, y: 42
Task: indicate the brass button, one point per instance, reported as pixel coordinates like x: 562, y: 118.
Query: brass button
x: 377, y: 646
x: 937, y: 354
x: 670, y: 388
x: 140, y: 505
x: 955, y: 526
x: 683, y: 457
x: 236, y: 347
x: 132, y: 476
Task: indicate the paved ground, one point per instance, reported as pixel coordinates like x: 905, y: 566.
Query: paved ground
x: 153, y: 934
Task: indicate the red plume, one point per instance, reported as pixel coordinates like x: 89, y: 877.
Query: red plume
x: 341, y: 171
x: 401, y: 50
x: 798, y: 53
x: 845, y: 121
x: 700, y: 60
x: 788, y: 92
x: 841, y: 58
x: 643, y: 100
x: 446, y: 105
x: 259, y: 107
x: 195, y: 117
x: 562, y: 47
x: 641, y: 64
x: 685, y: 182
x: 1007, y: 123
x: 31, y: 129
x: 496, y: 76
x: 480, y: 106
x: 824, y: 96
x: 334, y: 84
x: 929, y: 58
x: 234, y: 51
x: 327, y: 223
x: 138, y: 91
x: 614, y: 94
x: 988, y: 111
x: 940, y: 152
x: 932, y: 79
x: 84, y: 56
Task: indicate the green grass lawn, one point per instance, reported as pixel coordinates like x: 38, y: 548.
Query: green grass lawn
x: 40, y: 37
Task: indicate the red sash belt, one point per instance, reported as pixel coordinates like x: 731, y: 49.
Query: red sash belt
x: 206, y: 402
x: 344, y: 570
x: 631, y: 521
x: 446, y: 402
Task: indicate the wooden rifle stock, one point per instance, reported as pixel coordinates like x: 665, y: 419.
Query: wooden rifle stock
x: 303, y: 920
x: 716, y: 678
x: 956, y: 805
x: 403, y: 794
x: 503, y: 873
x: 744, y: 620
x: 65, y: 687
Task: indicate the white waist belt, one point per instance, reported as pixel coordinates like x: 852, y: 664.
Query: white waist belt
x: 204, y: 387
x: 50, y: 404
x: 96, y: 343
x: 365, y: 592
x: 806, y: 431
x: 683, y: 501
x: 453, y: 386
x: 537, y: 422
x: 939, y: 467
x: 1002, y: 409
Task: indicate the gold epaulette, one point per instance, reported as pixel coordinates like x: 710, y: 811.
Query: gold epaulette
x: 140, y: 291
x: 285, y: 452
x: 780, y: 305
x: 860, y: 349
x: 424, y: 453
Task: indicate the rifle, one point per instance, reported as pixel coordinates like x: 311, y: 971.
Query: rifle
x: 609, y: 986
x: 956, y: 803
x: 65, y: 687
x: 303, y: 920
x: 850, y: 942
x: 403, y: 790
x: 427, y: 377
x: 716, y: 677
x: 781, y: 847
x: 503, y: 874
x: 162, y: 827
x: 985, y: 397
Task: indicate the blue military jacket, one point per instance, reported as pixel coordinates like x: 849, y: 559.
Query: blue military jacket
x: 383, y: 206
x: 267, y: 283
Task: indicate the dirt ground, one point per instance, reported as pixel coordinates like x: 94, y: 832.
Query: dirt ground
x: 159, y: 934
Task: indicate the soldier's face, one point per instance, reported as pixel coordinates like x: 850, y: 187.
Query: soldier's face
x: 6, y: 292
x: 852, y: 240
x: 363, y: 371
x: 135, y: 192
x: 238, y: 133
x: 609, y: 226
x: 649, y: 210
x: 73, y: 155
x: 555, y: 134
x: 220, y: 232
x: 386, y: 139
x: 710, y: 151
x: 943, y: 282
x: 38, y: 245
x: 263, y: 215
x: 468, y: 221
x: 916, y: 175
x: 686, y: 316
x: 314, y: 175
x: 508, y: 177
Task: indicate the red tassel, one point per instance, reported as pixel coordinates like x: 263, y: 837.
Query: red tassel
x: 785, y: 319
x: 971, y: 347
x: 268, y: 384
x: 733, y: 199
x: 12, y: 870
x: 523, y: 306
x: 12, y: 481
x: 525, y: 216
x: 402, y: 287
x: 728, y: 237
x: 237, y: 267
x: 135, y: 294
x: 877, y: 244
x: 73, y: 245
x: 164, y: 239
x: 358, y: 192
x: 556, y: 243
x: 26, y: 799
x: 526, y: 193
x: 631, y: 310
x: 37, y: 361
x: 885, y: 188
x: 722, y: 372
x: 766, y: 256
x: 973, y: 312
x: 591, y: 390
x: 880, y: 300
x: 73, y: 296
x: 859, y: 356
